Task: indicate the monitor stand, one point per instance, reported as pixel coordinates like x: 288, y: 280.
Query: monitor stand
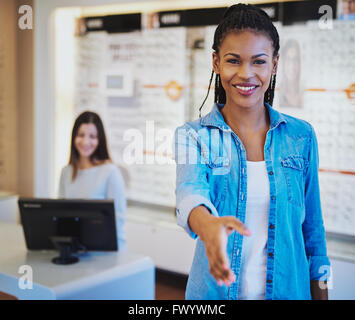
x: 66, y: 246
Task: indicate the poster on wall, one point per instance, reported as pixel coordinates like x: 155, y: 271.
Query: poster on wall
x: 346, y: 9
x: 290, y: 77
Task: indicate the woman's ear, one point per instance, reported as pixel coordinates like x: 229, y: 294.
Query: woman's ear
x: 215, y: 62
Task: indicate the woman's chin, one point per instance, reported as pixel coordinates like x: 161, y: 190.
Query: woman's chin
x: 246, y: 102
x: 86, y: 155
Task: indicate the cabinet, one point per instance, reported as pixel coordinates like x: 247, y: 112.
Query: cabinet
x: 156, y: 234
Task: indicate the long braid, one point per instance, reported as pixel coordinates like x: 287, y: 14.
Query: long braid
x: 208, y: 91
x: 239, y: 17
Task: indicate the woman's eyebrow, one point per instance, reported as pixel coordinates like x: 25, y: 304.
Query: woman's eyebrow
x: 253, y: 57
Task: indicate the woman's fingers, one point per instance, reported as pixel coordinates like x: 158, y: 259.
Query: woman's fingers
x: 232, y: 223
x: 218, y: 260
x: 222, y: 274
x: 216, y: 240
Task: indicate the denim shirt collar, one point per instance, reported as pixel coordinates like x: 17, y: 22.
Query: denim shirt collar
x: 215, y: 117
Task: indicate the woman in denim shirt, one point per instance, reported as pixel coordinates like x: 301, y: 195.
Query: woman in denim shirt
x: 247, y: 178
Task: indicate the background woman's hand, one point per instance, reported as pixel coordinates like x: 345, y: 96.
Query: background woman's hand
x: 214, y: 232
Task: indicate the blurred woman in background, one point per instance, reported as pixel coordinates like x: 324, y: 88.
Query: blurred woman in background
x: 90, y: 173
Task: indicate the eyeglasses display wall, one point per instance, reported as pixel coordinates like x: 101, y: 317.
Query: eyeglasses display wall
x: 146, y: 83
x: 137, y: 82
x: 315, y: 82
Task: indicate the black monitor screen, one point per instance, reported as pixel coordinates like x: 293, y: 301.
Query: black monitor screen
x: 91, y: 222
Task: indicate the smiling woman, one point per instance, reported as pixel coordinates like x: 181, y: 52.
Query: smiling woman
x: 264, y: 238
x: 90, y: 173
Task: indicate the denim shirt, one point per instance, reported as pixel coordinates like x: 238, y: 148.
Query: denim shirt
x: 212, y: 171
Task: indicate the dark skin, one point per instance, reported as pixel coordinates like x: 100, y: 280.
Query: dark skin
x: 245, y: 56
x: 319, y: 290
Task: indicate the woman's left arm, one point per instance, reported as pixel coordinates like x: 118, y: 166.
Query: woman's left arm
x: 313, y: 227
x: 116, y: 191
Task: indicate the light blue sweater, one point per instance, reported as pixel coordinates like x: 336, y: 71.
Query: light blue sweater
x: 100, y: 182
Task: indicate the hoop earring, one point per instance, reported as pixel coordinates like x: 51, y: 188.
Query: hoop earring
x: 216, y: 89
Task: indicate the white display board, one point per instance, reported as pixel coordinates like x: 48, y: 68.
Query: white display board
x: 136, y: 82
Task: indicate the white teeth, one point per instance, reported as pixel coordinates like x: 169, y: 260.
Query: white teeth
x: 245, y: 88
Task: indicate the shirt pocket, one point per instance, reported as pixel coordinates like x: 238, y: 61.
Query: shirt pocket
x: 293, y: 168
x: 219, y: 165
x: 219, y: 169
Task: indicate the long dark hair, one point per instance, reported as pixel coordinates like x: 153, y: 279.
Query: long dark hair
x: 101, y: 153
x: 239, y: 17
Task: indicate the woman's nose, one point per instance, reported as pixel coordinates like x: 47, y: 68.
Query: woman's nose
x: 86, y: 141
x: 245, y: 71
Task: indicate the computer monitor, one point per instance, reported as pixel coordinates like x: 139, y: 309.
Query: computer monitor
x: 69, y: 225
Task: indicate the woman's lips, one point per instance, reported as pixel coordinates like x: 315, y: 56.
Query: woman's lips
x: 86, y: 150
x: 246, y: 91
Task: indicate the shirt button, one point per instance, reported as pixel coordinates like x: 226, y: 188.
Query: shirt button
x: 272, y: 226
x: 271, y: 254
x: 273, y: 197
x: 268, y: 281
x: 271, y: 173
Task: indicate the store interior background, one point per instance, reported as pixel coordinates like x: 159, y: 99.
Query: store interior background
x: 51, y: 73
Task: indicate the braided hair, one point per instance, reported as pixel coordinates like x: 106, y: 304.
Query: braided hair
x: 239, y: 17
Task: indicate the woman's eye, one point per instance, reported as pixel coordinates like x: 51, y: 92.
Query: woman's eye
x: 233, y: 61
x: 259, y: 61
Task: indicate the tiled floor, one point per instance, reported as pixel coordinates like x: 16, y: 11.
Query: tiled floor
x: 5, y: 296
x: 169, y: 286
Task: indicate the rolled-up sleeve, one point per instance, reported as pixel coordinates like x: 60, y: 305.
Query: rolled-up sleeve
x: 192, y: 189
x: 313, y: 226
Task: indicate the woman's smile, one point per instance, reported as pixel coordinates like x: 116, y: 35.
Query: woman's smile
x: 245, y: 90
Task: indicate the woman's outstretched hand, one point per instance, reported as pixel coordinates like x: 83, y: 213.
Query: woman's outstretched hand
x: 214, y: 232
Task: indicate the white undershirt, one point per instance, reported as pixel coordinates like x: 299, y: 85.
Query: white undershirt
x: 253, y: 264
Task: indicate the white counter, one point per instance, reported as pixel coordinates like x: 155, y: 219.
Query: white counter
x: 98, y: 275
